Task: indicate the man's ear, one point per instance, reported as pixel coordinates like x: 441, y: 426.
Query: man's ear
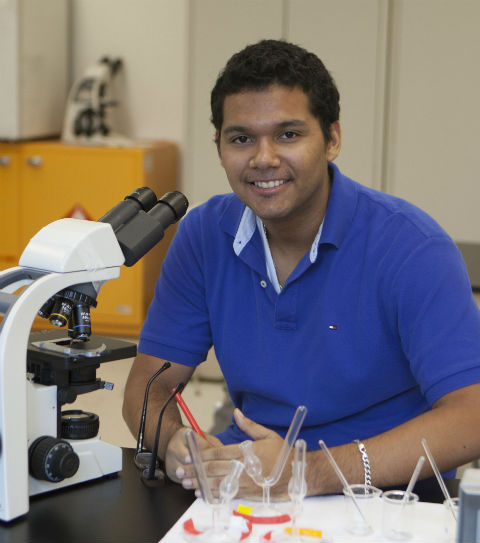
x: 335, y: 143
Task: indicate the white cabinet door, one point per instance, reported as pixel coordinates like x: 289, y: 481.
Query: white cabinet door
x: 349, y: 36
x: 218, y: 29
x: 433, y: 152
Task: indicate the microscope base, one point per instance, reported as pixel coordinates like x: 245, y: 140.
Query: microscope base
x: 97, y: 459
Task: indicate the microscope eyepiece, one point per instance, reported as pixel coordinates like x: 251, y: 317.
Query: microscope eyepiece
x: 137, y: 236
x: 140, y: 220
x: 142, y: 198
x: 176, y: 201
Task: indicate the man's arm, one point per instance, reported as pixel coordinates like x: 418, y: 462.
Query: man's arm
x: 144, y: 366
x: 450, y: 428
x: 172, y: 447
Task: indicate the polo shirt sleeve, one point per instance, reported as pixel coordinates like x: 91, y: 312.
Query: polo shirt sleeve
x: 438, y: 318
x: 177, y: 324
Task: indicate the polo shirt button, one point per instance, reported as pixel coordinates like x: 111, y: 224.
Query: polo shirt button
x: 263, y: 283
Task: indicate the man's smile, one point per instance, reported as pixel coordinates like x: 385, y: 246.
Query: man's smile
x: 269, y: 184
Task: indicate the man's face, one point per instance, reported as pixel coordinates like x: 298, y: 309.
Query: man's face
x: 275, y: 155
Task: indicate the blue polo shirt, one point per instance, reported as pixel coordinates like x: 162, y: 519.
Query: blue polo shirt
x: 368, y: 333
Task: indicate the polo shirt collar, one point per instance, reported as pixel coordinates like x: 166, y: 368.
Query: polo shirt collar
x: 245, y: 231
x: 342, y: 203
x: 249, y: 222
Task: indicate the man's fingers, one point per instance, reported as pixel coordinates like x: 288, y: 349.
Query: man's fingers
x: 227, y: 452
x: 216, y: 471
x: 216, y: 468
x: 175, y: 454
x: 212, y: 441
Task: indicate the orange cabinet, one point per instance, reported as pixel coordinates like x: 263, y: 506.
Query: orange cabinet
x: 9, y: 205
x: 46, y: 181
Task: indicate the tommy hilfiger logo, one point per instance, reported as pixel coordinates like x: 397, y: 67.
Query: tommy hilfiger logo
x: 332, y: 327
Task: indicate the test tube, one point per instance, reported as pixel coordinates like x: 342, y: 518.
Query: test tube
x: 297, y: 487
x: 198, y: 466
x: 288, y: 443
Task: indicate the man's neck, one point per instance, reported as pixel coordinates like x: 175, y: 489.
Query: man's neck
x: 297, y: 233
x: 289, y: 239
x: 297, y: 236
x: 289, y: 245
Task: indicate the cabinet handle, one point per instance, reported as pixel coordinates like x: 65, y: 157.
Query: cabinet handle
x: 35, y: 161
x: 5, y: 160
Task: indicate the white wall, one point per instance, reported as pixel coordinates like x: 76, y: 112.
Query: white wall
x: 150, y: 36
x: 350, y: 38
x: 433, y: 145
x: 218, y: 29
x: 407, y: 71
x: 174, y: 50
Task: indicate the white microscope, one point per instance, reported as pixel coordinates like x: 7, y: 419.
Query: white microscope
x: 59, y: 275
x: 88, y: 118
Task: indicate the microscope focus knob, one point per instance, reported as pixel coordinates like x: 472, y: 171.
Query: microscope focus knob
x: 52, y: 459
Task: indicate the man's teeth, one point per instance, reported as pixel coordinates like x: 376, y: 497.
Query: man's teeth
x: 269, y: 184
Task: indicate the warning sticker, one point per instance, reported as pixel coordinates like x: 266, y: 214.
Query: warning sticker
x: 78, y: 212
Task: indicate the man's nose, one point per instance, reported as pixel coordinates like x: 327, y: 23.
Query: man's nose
x: 265, y: 155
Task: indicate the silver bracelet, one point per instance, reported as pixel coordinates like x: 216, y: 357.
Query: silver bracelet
x: 365, y: 460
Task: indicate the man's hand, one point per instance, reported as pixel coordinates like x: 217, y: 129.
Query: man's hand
x: 177, y: 454
x: 267, y: 445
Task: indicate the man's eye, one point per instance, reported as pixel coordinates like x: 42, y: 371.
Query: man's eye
x: 289, y: 135
x: 241, y: 139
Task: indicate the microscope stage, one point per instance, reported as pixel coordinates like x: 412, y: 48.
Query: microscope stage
x: 56, y: 349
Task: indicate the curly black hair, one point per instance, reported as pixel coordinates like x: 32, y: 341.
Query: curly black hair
x: 270, y: 62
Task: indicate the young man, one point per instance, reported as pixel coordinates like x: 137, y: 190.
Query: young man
x: 314, y: 291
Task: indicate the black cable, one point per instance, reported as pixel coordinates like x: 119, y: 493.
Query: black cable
x: 141, y: 429
x: 151, y: 468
